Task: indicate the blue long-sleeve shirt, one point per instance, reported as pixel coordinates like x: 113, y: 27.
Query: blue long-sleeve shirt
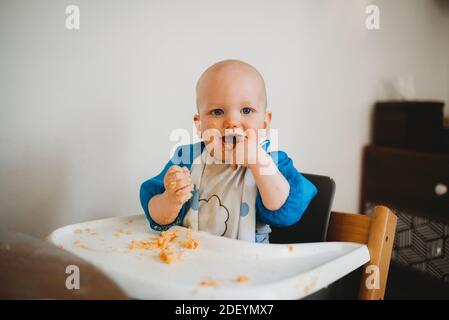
x: 301, y: 192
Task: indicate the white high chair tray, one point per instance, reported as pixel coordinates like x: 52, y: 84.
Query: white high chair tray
x: 273, y: 271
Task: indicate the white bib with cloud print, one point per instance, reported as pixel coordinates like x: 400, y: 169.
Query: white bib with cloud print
x: 223, y: 201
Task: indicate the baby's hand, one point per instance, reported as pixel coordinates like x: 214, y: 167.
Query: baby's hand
x: 178, y: 185
x: 248, y: 150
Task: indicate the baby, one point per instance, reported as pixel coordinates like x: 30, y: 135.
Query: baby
x: 228, y: 184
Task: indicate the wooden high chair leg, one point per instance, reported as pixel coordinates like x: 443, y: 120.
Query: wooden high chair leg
x: 378, y: 233
x: 380, y: 245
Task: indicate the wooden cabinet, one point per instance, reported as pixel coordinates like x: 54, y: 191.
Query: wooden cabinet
x: 412, y: 181
x: 414, y: 184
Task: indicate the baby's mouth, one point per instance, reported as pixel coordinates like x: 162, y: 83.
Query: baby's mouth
x: 229, y: 141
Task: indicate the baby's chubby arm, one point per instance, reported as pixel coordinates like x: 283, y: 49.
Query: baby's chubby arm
x: 301, y: 192
x: 164, y: 208
x: 273, y: 186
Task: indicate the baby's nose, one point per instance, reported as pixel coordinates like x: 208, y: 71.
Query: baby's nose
x: 232, y: 121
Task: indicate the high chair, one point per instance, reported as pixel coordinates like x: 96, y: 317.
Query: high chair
x: 377, y: 232
x: 319, y: 223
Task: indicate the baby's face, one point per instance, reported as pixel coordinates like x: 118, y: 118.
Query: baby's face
x: 231, y: 100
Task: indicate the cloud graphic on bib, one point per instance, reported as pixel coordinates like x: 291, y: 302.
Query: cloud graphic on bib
x: 213, y: 216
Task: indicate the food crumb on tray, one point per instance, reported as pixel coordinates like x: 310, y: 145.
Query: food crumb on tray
x: 242, y: 279
x: 166, y: 254
x: 192, y: 244
x: 119, y: 232
x: 209, y: 283
x: 78, y: 244
x: 168, y: 257
x: 87, y: 230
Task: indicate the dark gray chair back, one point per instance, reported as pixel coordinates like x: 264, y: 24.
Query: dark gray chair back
x: 313, y: 225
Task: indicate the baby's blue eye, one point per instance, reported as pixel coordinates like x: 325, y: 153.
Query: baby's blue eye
x: 217, y: 112
x: 246, y: 110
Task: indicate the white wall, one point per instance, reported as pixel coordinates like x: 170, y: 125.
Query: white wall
x: 85, y: 115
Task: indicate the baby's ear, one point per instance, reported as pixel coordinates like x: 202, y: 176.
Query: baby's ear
x: 197, y: 121
x: 267, y: 120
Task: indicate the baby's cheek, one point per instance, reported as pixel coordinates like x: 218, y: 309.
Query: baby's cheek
x: 209, y: 139
x: 213, y: 124
x: 254, y: 123
x: 210, y: 131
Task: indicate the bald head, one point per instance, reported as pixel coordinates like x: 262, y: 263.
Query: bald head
x: 217, y: 78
